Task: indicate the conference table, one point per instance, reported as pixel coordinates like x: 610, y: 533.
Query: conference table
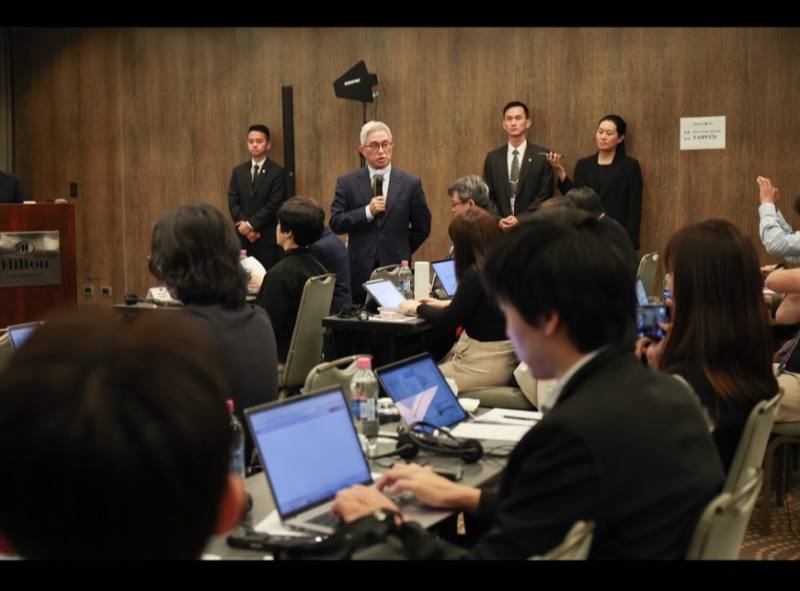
x: 484, y: 472
x: 386, y: 340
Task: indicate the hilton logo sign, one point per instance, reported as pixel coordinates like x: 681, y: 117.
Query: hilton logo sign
x: 29, y: 258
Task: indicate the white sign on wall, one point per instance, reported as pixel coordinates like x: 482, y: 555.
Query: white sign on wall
x: 703, y: 133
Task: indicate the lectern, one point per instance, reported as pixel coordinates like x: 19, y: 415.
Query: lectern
x: 37, y: 261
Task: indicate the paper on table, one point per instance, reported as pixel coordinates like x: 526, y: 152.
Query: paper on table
x: 491, y: 431
x: 506, y: 416
x: 393, y: 319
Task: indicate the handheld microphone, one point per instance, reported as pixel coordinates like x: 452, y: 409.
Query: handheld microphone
x: 377, y: 185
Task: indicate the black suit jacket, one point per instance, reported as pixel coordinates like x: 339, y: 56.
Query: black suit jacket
x: 258, y: 204
x: 535, y: 180
x: 405, y: 225
x: 10, y: 191
x: 626, y: 447
x: 332, y: 253
x: 281, y: 291
x: 622, y: 198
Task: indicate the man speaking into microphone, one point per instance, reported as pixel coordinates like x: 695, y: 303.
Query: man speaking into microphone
x: 381, y: 209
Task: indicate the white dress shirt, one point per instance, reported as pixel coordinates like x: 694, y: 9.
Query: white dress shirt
x: 548, y: 400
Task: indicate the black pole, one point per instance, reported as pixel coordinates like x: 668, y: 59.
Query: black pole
x: 288, y: 139
x: 363, y: 104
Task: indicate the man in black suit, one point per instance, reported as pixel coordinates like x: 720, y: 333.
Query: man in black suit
x: 257, y: 189
x: 518, y: 175
x: 10, y: 191
x: 620, y: 444
x: 382, y: 209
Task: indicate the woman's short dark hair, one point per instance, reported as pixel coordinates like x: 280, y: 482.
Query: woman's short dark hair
x: 304, y: 217
x: 472, y: 234
x: 195, y: 252
x: 585, y: 198
x: 559, y: 260
x: 719, y: 321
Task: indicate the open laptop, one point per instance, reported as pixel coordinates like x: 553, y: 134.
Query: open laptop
x: 19, y: 333
x: 310, y: 450
x: 421, y: 393
x: 385, y: 293
x: 446, y: 274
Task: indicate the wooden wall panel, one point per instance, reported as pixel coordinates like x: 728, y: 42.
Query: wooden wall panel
x: 147, y: 119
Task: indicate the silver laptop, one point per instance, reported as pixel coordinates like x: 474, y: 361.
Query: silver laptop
x: 310, y: 450
x: 385, y: 292
x: 19, y: 333
x: 421, y: 394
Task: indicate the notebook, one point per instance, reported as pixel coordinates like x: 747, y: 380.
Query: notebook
x: 310, y: 450
x: 421, y: 393
x: 19, y: 333
x: 385, y: 292
x: 446, y: 273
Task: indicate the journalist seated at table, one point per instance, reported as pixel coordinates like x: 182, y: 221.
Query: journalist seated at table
x: 620, y: 445
x: 482, y: 356
x: 300, y: 224
x: 115, y: 441
x: 195, y: 252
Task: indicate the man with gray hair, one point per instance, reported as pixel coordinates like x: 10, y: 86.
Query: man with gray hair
x: 382, y: 209
x: 468, y: 192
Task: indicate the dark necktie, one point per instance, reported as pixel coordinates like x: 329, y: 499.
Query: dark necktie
x: 255, y: 174
x: 377, y: 189
x: 513, y: 177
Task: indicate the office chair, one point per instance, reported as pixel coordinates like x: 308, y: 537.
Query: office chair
x: 575, y: 546
x: 783, y: 434
x: 721, y: 528
x: 338, y: 372
x: 647, y: 271
x: 305, y: 348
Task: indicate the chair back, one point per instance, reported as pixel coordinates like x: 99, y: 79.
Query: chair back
x: 390, y: 272
x: 753, y: 443
x: 721, y: 529
x: 6, y: 348
x: 575, y: 546
x: 647, y: 271
x: 305, y: 349
x: 338, y: 372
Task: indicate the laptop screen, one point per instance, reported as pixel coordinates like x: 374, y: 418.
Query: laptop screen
x: 385, y: 292
x: 446, y: 272
x: 19, y: 333
x: 309, y: 449
x: 421, y: 393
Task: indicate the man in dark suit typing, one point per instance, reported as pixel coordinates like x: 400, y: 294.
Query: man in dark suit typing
x: 382, y: 209
x: 257, y: 189
x: 518, y: 175
x: 620, y: 444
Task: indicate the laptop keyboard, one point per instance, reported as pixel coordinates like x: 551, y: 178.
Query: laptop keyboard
x: 325, y: 519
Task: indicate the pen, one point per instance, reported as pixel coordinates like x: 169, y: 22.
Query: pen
x: 520, y: 418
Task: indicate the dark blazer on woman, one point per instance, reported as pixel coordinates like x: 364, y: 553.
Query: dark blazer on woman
x: 258, y: 202
x: 621, y: 197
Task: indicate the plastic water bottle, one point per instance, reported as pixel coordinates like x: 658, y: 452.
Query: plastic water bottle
x: 364, y: 402
x: 405, y: 279
x: 237, y: 448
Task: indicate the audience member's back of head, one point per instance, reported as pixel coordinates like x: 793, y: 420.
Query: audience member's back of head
x: 559, y: 261
x: 195, y: 252
x: 586, y: 199
x: 472, y: 234
x: 114, y: 440
x: 304, y: 217
x: 719, y: 321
